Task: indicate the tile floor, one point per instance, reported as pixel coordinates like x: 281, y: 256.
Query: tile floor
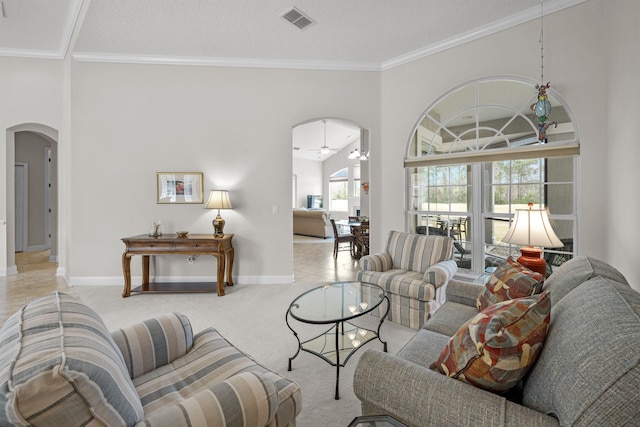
x: 312, y: 262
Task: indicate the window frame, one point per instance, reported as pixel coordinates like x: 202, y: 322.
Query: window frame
x: 475, y: 161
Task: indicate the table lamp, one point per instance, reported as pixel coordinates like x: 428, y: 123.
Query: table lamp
x: 218, y: 199
x: 531, y: 227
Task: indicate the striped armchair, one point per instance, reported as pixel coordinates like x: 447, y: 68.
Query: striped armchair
x: 414, y: 270
x: 60, y: 366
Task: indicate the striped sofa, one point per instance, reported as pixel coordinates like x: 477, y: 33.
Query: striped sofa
x: 413, y: 270
x: 59, y: 366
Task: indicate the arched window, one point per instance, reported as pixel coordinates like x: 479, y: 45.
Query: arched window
x: 477, y: 154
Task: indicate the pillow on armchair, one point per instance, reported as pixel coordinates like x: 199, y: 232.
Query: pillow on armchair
x: 496, y: 348
x: 510, y: 280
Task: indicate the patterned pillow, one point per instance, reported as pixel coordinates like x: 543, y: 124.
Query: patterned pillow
x: 510, y: 280
x: 496, y: 348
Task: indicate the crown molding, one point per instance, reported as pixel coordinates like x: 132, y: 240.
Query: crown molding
x: 503, y: 24
x: 226, y: 62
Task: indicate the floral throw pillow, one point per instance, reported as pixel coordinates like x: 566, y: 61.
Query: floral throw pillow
x: 496, y: 348
x: 510, y: 280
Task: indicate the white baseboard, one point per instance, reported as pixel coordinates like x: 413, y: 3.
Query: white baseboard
x: 135, y: 280
x: 10, y: 271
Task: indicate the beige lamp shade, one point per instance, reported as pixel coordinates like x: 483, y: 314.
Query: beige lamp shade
x: 531, y: 227
x: 218, y: 199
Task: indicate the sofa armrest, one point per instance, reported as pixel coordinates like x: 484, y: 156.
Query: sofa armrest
x: 440, y: 273
x: 246, y: 399
x: 155, y: 342
x: 376, y: 262
x: 463, y: 292
x: 418, y: 396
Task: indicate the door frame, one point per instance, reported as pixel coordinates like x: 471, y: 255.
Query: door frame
x: 21, y: 209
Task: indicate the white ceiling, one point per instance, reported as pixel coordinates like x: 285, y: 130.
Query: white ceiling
x: 370, y: 35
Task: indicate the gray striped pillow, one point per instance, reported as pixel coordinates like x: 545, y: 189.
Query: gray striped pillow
x: 60, y: 366
x: 155, y: 342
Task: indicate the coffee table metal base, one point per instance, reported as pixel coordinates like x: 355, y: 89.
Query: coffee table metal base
x: 338, y: 343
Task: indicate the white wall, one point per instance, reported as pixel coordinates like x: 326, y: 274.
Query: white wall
x: 622, y: 35
x: 234, y: 125
x: 309, y: 179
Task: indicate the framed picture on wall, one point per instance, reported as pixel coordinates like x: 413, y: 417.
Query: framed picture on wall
x: 179, y: 187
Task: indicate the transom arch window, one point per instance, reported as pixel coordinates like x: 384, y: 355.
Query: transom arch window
x: 477, y: 154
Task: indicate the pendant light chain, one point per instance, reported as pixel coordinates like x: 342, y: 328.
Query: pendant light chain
x: 541, y: 41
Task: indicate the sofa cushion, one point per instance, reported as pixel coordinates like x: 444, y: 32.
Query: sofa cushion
x: 424, y: 347
x: 450, y: 317
x: 496, y: 348
x: 593, y: 345
x: 155, y: 342
x: 400, y: 282
x: 211, y: 360
x: 60, y: 366
x: 510, y: 280
x: 576, y: 271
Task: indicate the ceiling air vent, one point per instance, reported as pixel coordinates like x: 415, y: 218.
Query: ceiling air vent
x: 298, y: 18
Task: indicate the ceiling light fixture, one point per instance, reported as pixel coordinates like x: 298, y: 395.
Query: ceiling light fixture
x: 355, y: 154
x: 542, y: 107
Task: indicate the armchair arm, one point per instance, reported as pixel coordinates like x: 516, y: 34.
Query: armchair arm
x: 376, y: 262
x: 417, y: 396
x: 153, y: 343
x: 247, y: 399
x: 440, y: 273
x: 463, y: 292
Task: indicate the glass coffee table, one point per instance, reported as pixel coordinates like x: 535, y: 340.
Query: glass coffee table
x: 337, y: 304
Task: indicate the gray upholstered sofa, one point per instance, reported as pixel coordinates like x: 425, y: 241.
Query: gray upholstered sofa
x: 312, y: 222
x: 414, y: 270
x: 587, y: 374
x: 59, y: 366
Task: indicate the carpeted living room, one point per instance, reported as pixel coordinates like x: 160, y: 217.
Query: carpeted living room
x: 475, y: 157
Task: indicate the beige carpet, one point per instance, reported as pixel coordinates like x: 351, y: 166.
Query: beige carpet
x: 252, y: 317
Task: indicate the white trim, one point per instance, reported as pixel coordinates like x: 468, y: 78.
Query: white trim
x: 118, y: 280
x: 9, y: 271
x: 503, y: 24
x: 226, y: 62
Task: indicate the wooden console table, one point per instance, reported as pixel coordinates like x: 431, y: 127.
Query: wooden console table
x: 171, y: 244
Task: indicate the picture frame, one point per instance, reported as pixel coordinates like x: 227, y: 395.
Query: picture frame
x: 179, y: 187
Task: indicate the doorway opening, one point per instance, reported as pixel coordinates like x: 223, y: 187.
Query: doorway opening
x: 31, y: 193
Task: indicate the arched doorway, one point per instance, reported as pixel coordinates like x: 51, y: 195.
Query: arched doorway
x: 43, y: 139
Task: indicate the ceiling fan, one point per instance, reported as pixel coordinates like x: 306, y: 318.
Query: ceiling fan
x: 325, y: 149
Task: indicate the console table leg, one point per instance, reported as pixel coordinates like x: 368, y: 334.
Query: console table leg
x: 220, y: 277
x: 229, y: 258
x: 145, y: 272
x: 126, y: 270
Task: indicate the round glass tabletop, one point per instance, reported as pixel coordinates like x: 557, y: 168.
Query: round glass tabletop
x: 336, y: 302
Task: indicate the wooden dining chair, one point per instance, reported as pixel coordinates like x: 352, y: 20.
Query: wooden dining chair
x: 362, y: 239
x: 339, y: 238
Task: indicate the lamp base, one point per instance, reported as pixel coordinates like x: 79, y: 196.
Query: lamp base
x: 531, y: 259
x: 218, y: 226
